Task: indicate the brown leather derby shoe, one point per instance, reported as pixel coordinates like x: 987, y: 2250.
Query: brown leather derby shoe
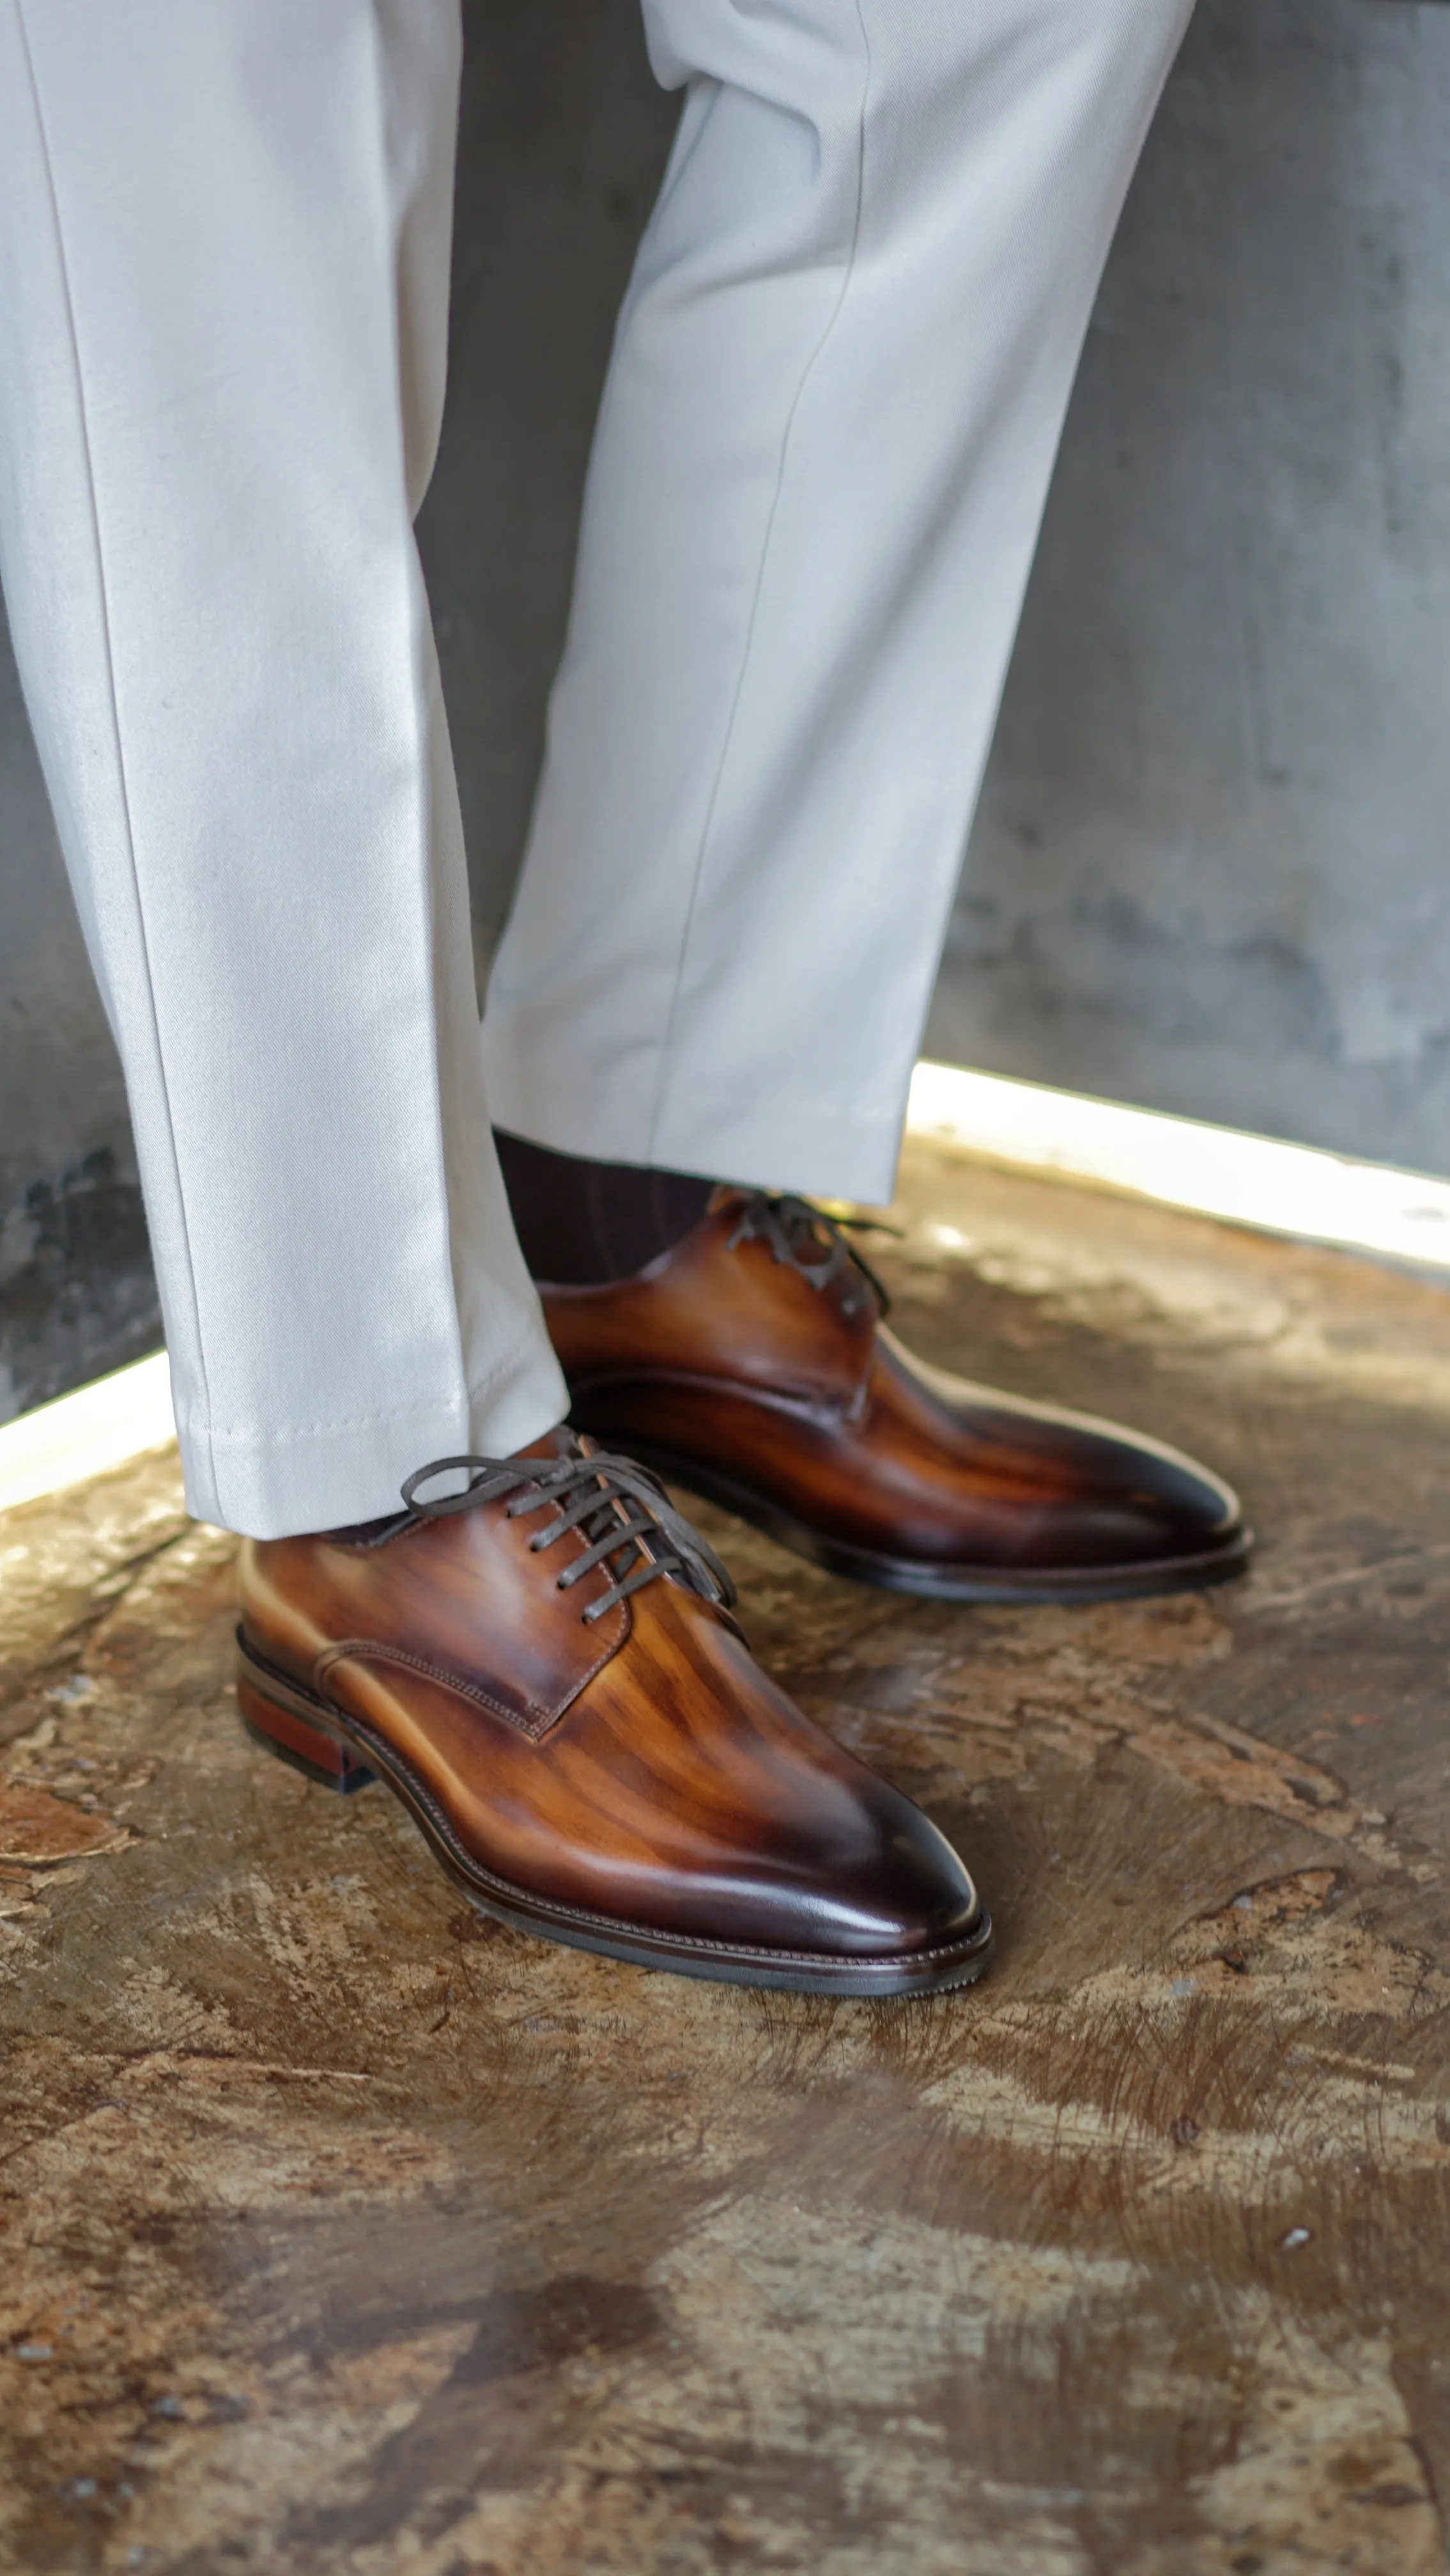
x: 544, y: 1669
x: 751, y: 1363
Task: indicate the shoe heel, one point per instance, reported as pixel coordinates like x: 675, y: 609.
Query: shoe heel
x: 293, y: 1739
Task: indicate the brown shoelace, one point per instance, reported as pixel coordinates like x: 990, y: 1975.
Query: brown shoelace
x: 618, y: 1506
x: 795, y: 1228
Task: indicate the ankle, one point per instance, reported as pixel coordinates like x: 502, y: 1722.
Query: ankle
x: 581, y: 1223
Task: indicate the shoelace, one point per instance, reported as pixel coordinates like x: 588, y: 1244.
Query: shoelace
x: 790, y: 1224
x: 612, y: 1502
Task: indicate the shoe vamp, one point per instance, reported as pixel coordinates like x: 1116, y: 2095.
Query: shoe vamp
x: 932, y: 1468
x: 680, y: 1790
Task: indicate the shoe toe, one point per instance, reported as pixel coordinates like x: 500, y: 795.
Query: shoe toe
x: 1149, y: 1504
x: 892, y: 1887
x: 1071, y: 1492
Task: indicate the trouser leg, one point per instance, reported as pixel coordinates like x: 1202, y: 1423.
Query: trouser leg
x: 835, y: 398
x: 223, y: 294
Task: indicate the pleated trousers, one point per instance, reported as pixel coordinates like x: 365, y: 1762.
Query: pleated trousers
x: 836, y: 392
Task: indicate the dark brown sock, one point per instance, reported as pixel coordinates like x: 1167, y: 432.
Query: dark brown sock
x: 581, y: 1223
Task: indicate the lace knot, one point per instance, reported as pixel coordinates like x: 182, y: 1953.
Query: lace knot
x: 794, y: 1228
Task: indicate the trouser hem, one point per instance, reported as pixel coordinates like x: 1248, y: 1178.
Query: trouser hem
x: 824, y: 1149
x: 283, y: 1483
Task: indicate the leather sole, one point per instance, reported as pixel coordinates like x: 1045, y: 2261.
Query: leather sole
x: 342, y: 1752
x: 924, y: 1577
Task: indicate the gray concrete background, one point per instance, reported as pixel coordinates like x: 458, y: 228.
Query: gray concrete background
x: 1210, y: 867
x: 1208, y: 870
x: 76, y: 1292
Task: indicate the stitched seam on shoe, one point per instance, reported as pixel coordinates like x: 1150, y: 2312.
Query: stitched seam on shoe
x: 369, y: 1651
x: 113, y: 701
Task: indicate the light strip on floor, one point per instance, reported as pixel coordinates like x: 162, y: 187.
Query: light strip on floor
x: 81, y: 1435
x: 1212, y: 1171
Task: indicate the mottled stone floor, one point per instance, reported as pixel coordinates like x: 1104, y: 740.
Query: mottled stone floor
x: 341, y: 2231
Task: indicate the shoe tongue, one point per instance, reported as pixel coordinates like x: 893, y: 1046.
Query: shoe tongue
x: 561, y: 1442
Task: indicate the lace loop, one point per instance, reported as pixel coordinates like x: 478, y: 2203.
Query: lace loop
x: 621, y: 1509
x: 789, y: 1224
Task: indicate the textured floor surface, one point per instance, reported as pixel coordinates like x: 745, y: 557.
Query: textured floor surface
x: 341, y: 2231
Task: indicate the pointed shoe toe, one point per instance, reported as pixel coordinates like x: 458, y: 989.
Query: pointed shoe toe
x: 1133, y: 1504
x: 1066, y: 1507
x: 765, y: 1828
x: 910, y: 1897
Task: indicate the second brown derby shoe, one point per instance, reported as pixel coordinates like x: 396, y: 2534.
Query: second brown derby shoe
x: 544, y: 1669
x: 752, y: 1364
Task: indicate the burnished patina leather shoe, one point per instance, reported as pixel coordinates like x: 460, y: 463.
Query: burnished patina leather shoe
x: 543, y: 1666
x: 751, y: 1363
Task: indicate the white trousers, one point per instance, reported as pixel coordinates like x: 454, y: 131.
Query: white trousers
x: 837, y: 389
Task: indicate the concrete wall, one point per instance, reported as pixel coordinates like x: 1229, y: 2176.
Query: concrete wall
x: 1208, y: 869
x: 1211, y: 869
x: 76, y: 1292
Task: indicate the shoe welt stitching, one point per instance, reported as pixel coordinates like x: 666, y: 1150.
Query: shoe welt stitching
x: 620, y: 1924
x: 372, y: 1742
